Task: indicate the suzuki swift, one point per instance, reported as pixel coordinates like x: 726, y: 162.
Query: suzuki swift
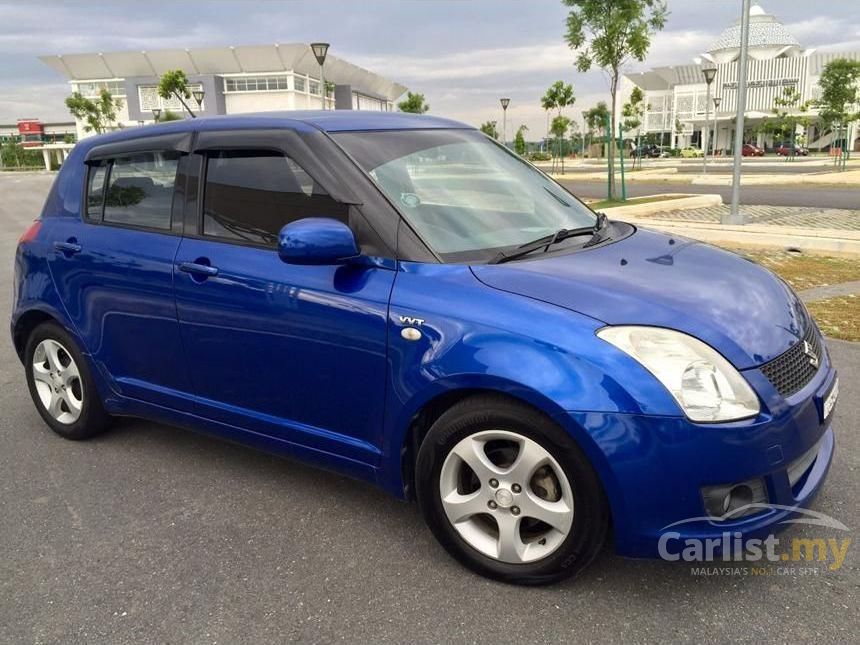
x: 401, y: 299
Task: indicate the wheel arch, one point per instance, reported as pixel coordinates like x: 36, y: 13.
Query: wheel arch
x: 26, y: 322
x: 422, y: 415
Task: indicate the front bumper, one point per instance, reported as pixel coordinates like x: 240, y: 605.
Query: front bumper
x: 654, y: 468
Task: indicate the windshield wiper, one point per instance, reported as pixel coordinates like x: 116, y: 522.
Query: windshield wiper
x: 548, y: 240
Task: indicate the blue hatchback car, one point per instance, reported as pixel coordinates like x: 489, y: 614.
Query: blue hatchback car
x: 401, y: 299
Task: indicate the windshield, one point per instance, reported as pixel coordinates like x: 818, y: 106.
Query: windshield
x: 465, y: 195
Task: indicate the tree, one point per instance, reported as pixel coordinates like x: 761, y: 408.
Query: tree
x: 577, y: 138
x: 837, y: 103
x: 489, y: 128
x: 595, y: 119
x: 788, y: 112
x: 679, y: 128
x: 413, y: 103
x: 97, y: 115
x: 169, y: 115
x: 559, y: 127
x: 174, y: 83
x: 633, y: 112
x: 609, y: 34
x: 520, y: 140
x: 558, y: 96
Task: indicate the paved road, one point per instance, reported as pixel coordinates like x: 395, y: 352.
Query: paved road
x: 153, y: 534
x: 819, y: 196
x: 774, y: 165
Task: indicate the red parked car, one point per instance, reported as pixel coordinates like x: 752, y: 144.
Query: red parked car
x: 749, y: 150
x: 784, y: 150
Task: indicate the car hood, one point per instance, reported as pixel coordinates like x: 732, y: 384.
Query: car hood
x: 648, y: 278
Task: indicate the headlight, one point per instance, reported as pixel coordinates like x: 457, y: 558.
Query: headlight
x: 706, y: 386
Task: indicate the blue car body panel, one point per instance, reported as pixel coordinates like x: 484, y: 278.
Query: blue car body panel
x: 310, y: 361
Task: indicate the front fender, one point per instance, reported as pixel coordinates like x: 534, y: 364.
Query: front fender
x: 474, y: 337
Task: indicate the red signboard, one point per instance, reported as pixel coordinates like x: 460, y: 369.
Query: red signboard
x: 30, y: 126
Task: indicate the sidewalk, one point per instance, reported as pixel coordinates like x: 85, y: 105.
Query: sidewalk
x: 820, y: 230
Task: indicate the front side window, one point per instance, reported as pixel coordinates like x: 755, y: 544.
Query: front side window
x: 464, y: 194
x: 250, y: 195
x: 140, y: 190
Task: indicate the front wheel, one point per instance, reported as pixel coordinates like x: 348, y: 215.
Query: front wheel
x: 509, y: 494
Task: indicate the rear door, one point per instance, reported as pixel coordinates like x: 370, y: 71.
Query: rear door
x: 113, y: 270
x: 297, y: 352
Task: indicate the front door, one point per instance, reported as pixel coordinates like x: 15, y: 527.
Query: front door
x: 297, y: 352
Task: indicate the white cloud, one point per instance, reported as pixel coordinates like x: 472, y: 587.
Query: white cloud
x: 44, y: 102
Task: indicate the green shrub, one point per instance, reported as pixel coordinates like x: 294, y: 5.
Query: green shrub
x: 539, y: 156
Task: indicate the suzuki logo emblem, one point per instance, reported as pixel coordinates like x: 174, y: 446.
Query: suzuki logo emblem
x: 813, y: 357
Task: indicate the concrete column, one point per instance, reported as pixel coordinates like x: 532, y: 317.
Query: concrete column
x: 46, y: 156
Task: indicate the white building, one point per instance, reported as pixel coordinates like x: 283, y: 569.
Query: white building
x: 234, y: 80
x: 676, y: 96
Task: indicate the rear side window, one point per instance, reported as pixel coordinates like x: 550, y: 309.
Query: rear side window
x: 96, y: 190
x: 140, y: 190
x: 250, y: 195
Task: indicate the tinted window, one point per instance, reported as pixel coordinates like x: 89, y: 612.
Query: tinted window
x: 140, y: 191
x: 95, y: 191
x: 250, y: 196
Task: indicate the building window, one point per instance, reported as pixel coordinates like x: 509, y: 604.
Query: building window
x: 299, y: 83
x: 140, y: 190
x: 150, y: 100
x: 314, y: 87
x: 277, y: 83
x: 92, y: 89
x: 250, y: 195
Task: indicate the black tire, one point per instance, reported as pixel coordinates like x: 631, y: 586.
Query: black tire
x: 93, y: 419
x: 490, y: 412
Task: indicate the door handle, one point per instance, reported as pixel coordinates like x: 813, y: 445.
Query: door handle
x: 198, y: 269
x: 67, y: 248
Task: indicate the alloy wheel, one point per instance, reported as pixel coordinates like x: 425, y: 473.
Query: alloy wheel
x: 58, y: 381
x: 506, y: 496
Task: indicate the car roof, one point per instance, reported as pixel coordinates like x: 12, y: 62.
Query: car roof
x: 302, y: 120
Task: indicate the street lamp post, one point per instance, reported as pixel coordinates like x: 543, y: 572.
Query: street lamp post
x: 709, y: 73
x: 505, y: 103
x: 717, y: 101
x: 320, y: 51
x: 584, y: 129
x: 735, y: 217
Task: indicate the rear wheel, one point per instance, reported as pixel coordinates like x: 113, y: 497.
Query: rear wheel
x: 61, y: 385
x: 509, y: 494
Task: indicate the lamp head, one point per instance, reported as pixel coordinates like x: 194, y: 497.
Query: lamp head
x: 320, y: 51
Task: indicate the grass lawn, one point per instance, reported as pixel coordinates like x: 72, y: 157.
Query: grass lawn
x: 838, y: 317
x: 804, y: 271
x: 610, y: 203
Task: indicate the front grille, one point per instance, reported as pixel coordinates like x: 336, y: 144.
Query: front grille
x: 793, y: 369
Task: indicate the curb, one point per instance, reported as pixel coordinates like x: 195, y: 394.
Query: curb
x: 829, y: 241
x: 684, y: 203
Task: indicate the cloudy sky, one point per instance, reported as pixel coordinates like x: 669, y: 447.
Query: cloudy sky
x: 462, y: 54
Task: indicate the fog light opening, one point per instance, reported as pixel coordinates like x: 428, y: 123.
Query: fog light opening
x: 737, y: 497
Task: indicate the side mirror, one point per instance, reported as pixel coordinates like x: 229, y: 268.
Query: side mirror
x: 317, y: 240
